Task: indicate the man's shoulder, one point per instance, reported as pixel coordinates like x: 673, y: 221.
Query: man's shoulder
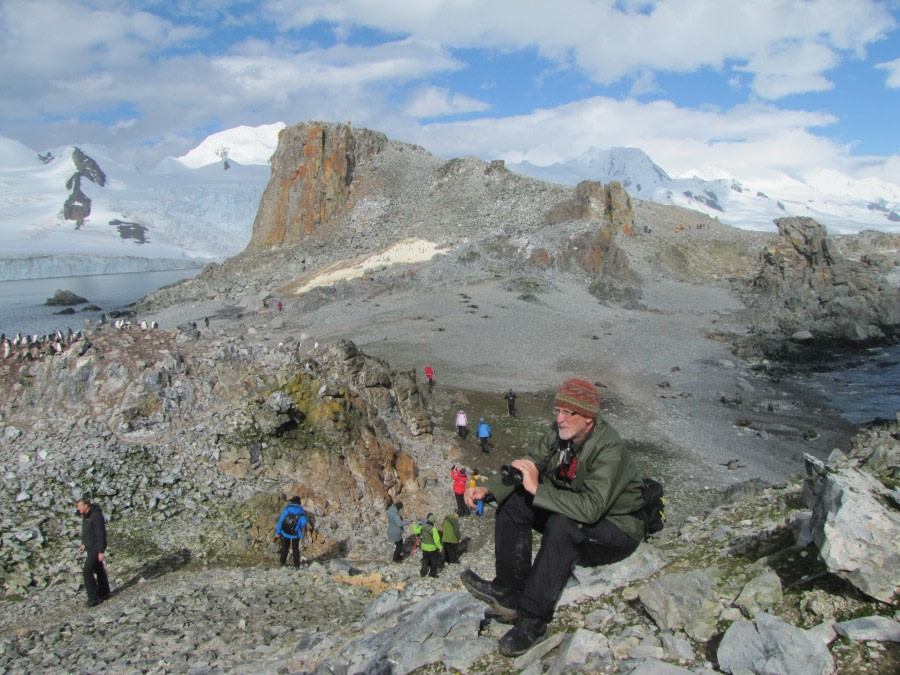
x: 604, y: 432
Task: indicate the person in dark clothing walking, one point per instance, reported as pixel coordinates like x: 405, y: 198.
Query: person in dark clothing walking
x: 290, y: 529
x: 510, y: 397
x: 580, y: 489
x: 93, y: 542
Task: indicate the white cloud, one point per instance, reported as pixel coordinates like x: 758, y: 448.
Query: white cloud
x: 170, y: 81
x: 437, y: 101
x: 280, y: 73
x: 791, y: 68
x: 893, y: 73
x: 610, y: 40
x: 752, y: 141
x: 644, y: 83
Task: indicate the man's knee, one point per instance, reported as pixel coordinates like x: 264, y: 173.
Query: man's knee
x: 562, y: 531
x: 606, y: 544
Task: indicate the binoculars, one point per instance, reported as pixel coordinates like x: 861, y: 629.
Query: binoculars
x: 509, y: 471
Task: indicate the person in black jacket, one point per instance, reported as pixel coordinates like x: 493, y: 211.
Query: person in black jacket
x: 93, y: 542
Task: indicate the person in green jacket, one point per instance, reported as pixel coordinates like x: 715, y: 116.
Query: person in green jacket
x: 450, y: 538
x: 431, y: 546
x: 581, y: 489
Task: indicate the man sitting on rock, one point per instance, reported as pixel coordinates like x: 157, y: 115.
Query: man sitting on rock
x: 580, y: 488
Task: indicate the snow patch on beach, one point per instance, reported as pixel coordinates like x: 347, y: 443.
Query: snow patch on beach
x: 405, y: 251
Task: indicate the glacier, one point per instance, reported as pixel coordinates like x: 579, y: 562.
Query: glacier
x: 200, y: 207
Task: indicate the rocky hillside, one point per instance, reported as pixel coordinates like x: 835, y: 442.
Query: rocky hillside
x: 338, y: 194
x: 192, y: 436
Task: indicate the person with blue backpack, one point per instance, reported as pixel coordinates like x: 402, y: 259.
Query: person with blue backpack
x: 290, y: 529
x: 484, y: 436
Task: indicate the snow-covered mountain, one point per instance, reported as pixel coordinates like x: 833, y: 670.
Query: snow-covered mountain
x: 842, y: 204
x: 189, y: 211
x: 200, y: 207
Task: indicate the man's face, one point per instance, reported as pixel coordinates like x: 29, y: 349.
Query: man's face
x: 82, y: 508
x: 572, y: 426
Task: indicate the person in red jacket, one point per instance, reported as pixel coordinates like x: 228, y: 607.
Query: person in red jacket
x: 460, y: 481
x: 429, y: 373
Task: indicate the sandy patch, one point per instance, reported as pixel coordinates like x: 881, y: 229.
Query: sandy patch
x: 404, y: 251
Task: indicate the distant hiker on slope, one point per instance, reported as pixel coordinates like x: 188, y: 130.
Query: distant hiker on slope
x: 450, y: 537
x: 462, y: 424
x: 510, y: 397
x: 93, y: 542
x: 431, y: 546
x: 290, y: 529
x: 484, y: 436
x: 395, y: 529
x: 429, y: 373
x: 460, y: 482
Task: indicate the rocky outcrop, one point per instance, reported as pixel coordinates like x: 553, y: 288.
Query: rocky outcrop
x: 591, y: 201
x: 87, y: 167
x: 336, y: 427
x: 312, y: 177
x: 805, y: 293
x: 65, y: 298
x: 77, y: 206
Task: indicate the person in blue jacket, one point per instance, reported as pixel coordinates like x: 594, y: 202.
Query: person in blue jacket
x: 290, y: 529
x: 484, y: 435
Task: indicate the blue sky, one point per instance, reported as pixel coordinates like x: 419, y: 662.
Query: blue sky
x: 754, y: 90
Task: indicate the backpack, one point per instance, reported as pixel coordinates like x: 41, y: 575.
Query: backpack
x: 653, y: 511
x: 291, y: 522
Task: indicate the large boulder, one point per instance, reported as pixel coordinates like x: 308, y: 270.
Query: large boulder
x: 770, y: 645
x: 857, y: 533
x: 683, y: 601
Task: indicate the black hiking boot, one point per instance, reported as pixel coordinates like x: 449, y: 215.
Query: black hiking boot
x: 503, y: 602
x: 528, y: 631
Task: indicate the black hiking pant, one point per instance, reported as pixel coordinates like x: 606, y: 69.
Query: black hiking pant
x: 451, y: 552
x: 292, y: 544
x: 564, y: 542
x: 96, y: 583
x: 431, y: 563
x: 462, y: 509
x: 398, y: 551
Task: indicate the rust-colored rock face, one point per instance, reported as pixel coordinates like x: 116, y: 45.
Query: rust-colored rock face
x: 591, y: 200
x: 312, y: 176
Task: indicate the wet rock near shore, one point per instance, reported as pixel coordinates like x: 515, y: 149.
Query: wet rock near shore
x: 64, y: 298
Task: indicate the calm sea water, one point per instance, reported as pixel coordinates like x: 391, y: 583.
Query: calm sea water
x: 22, y: 308
x: 860, y: 386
